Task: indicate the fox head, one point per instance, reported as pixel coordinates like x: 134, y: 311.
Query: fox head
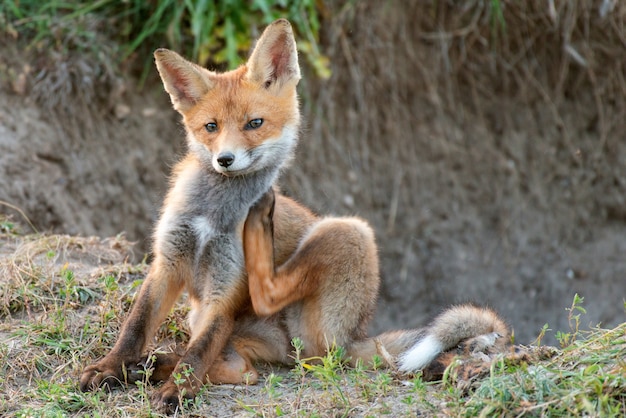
x: 245, y: 120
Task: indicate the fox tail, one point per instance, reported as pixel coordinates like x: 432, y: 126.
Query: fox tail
x: 476, y: 328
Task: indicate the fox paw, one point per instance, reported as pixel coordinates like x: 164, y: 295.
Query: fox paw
x: 101, y: 375
x: 168, y: 398
x: 263, y: 209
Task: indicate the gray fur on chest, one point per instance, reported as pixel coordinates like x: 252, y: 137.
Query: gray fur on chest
x: 201, y: 225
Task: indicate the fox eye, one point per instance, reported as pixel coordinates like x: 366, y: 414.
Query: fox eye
x: 211, y: 127
x: 254, y: 123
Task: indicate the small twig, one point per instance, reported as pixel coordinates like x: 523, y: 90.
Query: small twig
x: 394, y: 203
x: 380, y: 348
x: 21, y: 212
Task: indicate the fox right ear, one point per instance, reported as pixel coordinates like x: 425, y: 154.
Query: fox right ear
x: 185, y: 81
x: 274, y: 60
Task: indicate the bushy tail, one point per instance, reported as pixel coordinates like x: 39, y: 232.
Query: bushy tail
x: 413, y: 350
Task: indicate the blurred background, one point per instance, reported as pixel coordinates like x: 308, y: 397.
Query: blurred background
x: 485, y: 140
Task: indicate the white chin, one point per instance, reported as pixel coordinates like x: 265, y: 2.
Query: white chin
x: 229, y: 172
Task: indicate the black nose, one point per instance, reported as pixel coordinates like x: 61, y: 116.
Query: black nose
x: 226, y: 159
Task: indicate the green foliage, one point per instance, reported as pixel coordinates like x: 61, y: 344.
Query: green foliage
x: 588, y: 379
x: 272, y: 385
x: 6, y: 226
x: 216, y: 33
x: 498, y: 24
x: 573, y: 318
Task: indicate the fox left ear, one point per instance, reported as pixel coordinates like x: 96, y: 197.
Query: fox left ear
x: 274, y: 60
x: 185, y: 81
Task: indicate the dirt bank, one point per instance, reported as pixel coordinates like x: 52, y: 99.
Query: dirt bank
x: 490, y: 159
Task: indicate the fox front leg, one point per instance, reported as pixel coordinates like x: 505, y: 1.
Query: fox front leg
x: 157, y: 295
x: 190, y: 372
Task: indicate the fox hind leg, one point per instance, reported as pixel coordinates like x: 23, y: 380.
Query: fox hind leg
x: 328, y: 286
x: 253, y: 340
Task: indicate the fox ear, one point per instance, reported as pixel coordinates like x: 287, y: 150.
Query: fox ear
x: 274, y: 60
x: 185, y: 81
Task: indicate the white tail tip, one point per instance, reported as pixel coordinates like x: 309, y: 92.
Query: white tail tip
x: 420, y: 355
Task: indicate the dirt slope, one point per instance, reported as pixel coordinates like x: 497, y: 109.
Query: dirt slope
x: 493, y: 167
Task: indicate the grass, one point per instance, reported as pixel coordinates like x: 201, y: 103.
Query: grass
x: 215, y: 33
x: 81, y: 53
x: 62, y: 300
x: 587, y: 378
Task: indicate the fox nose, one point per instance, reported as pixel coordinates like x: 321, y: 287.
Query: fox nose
x: 226, y: 159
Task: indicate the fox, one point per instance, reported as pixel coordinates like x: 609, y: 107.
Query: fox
x: 260, y: 269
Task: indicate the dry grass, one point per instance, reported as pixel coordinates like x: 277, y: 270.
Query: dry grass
x: 62, y: 300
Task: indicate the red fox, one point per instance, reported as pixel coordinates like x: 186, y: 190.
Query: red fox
x: 259, y: 268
